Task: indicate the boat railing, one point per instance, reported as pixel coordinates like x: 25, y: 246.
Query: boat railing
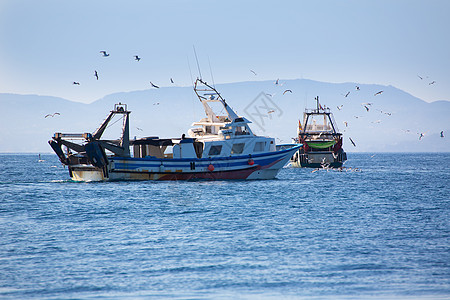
x: 323, y: 110
x: 333, y: 122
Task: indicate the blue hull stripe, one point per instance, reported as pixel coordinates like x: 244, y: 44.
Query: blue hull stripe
x: 263, y: 159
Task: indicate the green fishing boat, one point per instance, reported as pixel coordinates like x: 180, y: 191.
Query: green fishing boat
x: 321, y: 140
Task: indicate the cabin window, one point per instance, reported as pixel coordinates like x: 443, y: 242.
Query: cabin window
x: 241, y: 130
x: 215, y: 150
x: 208, y: 129
x: 237, y: 148
x: 259, y: 146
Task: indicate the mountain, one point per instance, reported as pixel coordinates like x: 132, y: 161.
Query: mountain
x: 392, y: 124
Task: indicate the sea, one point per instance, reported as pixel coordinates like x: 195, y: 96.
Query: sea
x: 378, y: 229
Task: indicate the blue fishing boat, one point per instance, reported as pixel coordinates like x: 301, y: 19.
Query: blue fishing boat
x: 217, y: 147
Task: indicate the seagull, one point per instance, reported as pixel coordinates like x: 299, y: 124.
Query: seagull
x: 270, y: 95
x: 421, y: 135
x: 171, y: 80
x: 270, y: 111
x: 345, y: 123
x: 52, y: 115
x: 137, y: 58
x: 77, y: 83
x: 376, y: 122
x: 357, y: 88
x: 104, y: 53
x: 157, y: 103
x: 378, y: 93
x: 433, y: 82
x: 442, y: 134
x: 352, y: 141
x: 276, y: 82
x: 346, y: 95
x: 287, y: 91
x: 421, y: 78
x: 340, y: 106
x: 387, y: 113
x: 253, y: 72
x: 139, y: 128
x: 155, y: 86
x: 96, y: 74
x: 367, y: 103
x: 366, y: 107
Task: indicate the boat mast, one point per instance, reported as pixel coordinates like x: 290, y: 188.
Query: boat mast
x: 231, y: 114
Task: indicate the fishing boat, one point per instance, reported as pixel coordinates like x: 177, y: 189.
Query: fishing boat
x: 218, y: 147
x: 321, y: 140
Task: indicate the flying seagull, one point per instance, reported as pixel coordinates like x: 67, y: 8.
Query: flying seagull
x: 276, y: 82
x: 137, y: 58
x: 270, y: 111
x: 52, y: 115
x: 171, y: 80
x: 96, y: 74
x: 253, y: 72
x: 352, y: 141
x: 346, y: 95
x: 421, y: 78
x: 287, y: 91
x: 153, y: 85
x: 367, y: 108
x: 139, y: 128
x: 340, y: 106
x: 421, y: 135
x: 345, y: 123
x: 77, y: 83
x: 157, y: 103
x: 442, y: 134
x: 357, y: 88
x: 104, y: 53
x: 378, y: 93
x: 433, y: 82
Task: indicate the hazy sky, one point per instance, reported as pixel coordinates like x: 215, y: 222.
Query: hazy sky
x: 47, y: 45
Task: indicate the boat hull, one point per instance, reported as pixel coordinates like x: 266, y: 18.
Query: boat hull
x: 257, y: 166
x: 322, y: 159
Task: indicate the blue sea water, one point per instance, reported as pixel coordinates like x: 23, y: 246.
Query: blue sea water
x: 381, y: 231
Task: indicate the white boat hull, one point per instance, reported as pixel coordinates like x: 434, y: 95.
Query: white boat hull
x: 258, y: 166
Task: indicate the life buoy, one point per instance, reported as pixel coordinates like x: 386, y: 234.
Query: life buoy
x: 211, y: 168
x: 251, y: 161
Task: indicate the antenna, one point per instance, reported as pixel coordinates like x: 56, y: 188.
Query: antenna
x: 190, y: 71
x: 210, y: 70
x: 198, y: 66
x: 192, y: 80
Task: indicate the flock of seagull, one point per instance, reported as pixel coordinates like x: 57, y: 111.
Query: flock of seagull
x: 136, y: 58
x: 96, y: 75
x: 366, y: 105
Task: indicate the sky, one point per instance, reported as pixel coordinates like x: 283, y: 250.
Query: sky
x: 46, y: 45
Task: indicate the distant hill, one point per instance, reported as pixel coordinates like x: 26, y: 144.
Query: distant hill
x: 392, y: 124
